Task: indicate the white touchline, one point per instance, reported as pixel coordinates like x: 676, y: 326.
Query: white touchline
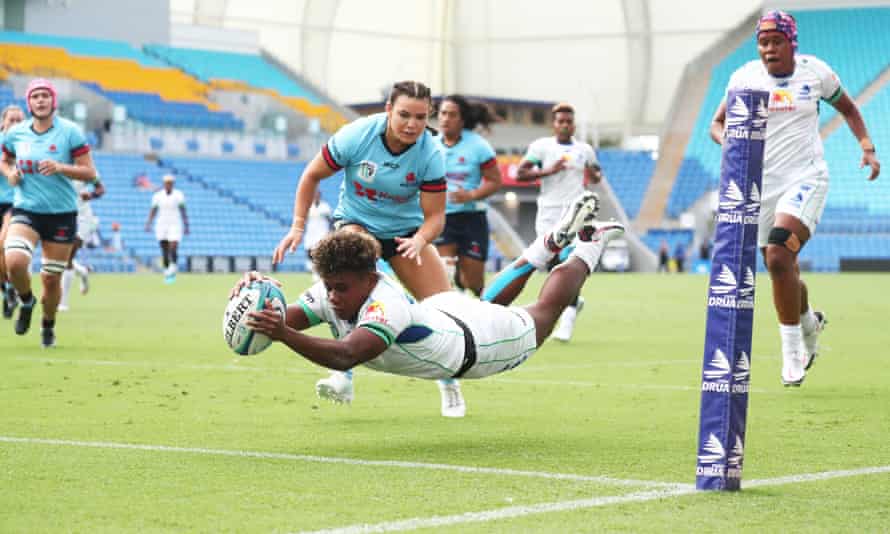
x: 351, y: 461
x: 543, y: 508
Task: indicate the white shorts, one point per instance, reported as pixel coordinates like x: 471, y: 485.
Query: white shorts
x: 168, y: 232
x: 505, y: 336
x: 803, y: 199
x: 87, y: 225
x: 547, y: 218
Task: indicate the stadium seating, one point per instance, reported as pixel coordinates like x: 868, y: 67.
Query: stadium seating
x: 151, y: 110
x: 131, y: 181
x: 248, y: 72
x: 628, y: 172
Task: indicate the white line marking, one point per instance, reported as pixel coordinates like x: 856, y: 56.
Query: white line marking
x: 605, y: 363
x: 520, y: 511
x: 351, y: 461
x: 504, y: 513
x: 670, y: 387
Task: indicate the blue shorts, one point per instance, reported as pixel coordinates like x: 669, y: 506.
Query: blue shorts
x: 387, y: 246
x: 469, y: 230
x: 51, y: 227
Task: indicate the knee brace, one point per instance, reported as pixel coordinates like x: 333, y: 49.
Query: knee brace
x: 19, y: 244
x: 784, y: 238
x: 56, y: 267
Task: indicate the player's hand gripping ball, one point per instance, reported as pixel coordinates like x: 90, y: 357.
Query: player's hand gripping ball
x: 252, y: 297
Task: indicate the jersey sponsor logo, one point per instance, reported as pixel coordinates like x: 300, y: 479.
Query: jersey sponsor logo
x: 367, y: 170
x: 804, y: 93
x: 374, y: 195
x: 307, y: 296
x: 390, y: 165
x: 375, y: 313
x: 781, y: 100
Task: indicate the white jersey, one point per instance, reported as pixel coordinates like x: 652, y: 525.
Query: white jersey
x: 168, y: 207
x: 425, y: 342
x: 318, y: 223
x: 793, y: 147
x: 84, y: 209
x: 565, y: 186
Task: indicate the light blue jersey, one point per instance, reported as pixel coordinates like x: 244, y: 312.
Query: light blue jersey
x: 6, y: 192
x: 63, y: 142
x: 381, y: 190
x: 464, y: 163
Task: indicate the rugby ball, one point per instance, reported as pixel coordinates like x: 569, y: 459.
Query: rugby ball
x: 253, y: 297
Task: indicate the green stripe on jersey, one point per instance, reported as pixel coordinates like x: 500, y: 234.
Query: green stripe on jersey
x: 381, y: 331
x: 313, y: 319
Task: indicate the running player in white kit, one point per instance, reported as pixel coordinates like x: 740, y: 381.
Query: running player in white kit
x: 448, y: 335
x: 564, y: 166
x: 795, y: 175
x: 318, y: 225
x: 169, y: 205
x: 87, y: 226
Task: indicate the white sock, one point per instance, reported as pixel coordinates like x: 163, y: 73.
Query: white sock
x: 538, y: 253
x: 792, y: 338
x: 589, y: 252
x: 80, y: 268
x: 67, y: 281
x: 808, y: 321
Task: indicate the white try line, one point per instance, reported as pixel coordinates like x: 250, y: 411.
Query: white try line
x: 543, y: 508
x: 350, y: 461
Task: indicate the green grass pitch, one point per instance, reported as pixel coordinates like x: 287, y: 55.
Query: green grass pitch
x: 141, y: 420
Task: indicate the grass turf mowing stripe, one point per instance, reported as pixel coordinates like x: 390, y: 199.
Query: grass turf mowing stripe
x: 334, y: 460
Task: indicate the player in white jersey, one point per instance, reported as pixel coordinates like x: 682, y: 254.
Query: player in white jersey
x: 87, y: 226
x: 318, y: 224
x: 169, y: 205
x: 795, y: 175
x: 449, y: 334
x: 564, y: 167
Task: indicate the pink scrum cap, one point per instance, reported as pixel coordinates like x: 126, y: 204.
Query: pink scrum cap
x: 40, y: 83
x: 779, y: 21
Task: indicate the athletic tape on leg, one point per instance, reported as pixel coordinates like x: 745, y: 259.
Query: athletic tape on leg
x: 727, y: 352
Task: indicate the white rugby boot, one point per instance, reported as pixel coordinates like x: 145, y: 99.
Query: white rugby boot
x: 811, y: 339
x: 566, y: 326
x: 794, y: 367
x: 336, y: 388
x: 453, y: 404
x: 582, y: 211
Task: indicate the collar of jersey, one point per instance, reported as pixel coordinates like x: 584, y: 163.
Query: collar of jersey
x: 48, y: 130
x: 383, y: 140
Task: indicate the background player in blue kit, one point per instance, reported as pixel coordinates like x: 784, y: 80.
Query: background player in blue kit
x: 11, y: 116
x: 393, y: 189
x: 473, y: 175
x: 40, y: 158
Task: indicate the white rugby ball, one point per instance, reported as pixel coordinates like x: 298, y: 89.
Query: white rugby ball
x: 253, y: 297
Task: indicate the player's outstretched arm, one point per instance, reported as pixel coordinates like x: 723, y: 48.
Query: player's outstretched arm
x: 850, y: 111
x: 317, y: 170
x: 360, y: 346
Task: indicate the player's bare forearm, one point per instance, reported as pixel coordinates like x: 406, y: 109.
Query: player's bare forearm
x: 527, y: 172
x: 718, y: 124
x: 490, y: 185
x: 433, y: 206
x: 316, y: 171
x: 82, y: 169
x: 340, y: 355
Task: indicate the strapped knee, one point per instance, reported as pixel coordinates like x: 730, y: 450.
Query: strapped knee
x: 19, y: 244
x: 53, y: 267
x: 784, y: 238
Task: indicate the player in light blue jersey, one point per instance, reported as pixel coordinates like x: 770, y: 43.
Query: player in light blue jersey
x: 11, y: 116
x: 473, y: 175
x: 40, y: 158
x: 393, y: 189
x: 450, y: 334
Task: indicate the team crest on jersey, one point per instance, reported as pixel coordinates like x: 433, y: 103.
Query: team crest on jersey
x: 367, y: 170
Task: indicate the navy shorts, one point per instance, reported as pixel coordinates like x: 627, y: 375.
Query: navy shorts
x: 51, y: 227
x: 4, y: 208
x: 469, y: 230
x: 387, y: 246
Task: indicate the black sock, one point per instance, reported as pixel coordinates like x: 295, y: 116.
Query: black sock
x: 48, y: 323
x: 27, y: 299
x: 174, y: 255
x: 574, y: 303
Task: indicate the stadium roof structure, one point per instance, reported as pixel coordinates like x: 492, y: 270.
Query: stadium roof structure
x: 618, y: 61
